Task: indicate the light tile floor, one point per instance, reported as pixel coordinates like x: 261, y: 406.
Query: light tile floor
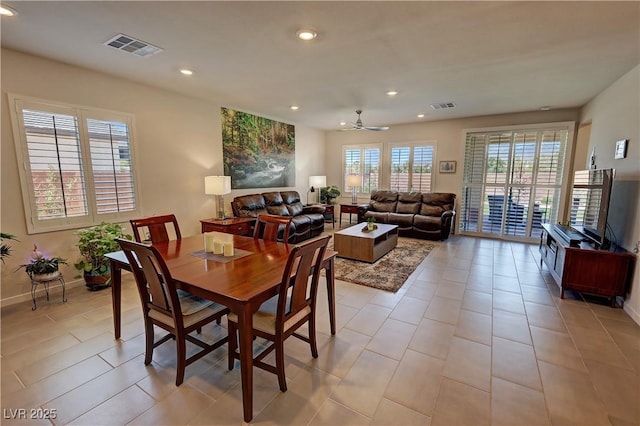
x: 478, y: 335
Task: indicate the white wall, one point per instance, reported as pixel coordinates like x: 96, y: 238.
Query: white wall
x: 178, y: 142
x: 614, y: 114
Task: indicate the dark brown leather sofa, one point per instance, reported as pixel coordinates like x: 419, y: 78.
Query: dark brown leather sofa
x: 307, y: 221
x: 426, y: 215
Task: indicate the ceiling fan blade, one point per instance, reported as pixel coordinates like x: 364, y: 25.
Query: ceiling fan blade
x: 376, y: 129
x: 358, y: 125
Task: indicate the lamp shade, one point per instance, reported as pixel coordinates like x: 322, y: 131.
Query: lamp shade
x: 217, y: 185
x: 317, y: 181
x: 354, y: 180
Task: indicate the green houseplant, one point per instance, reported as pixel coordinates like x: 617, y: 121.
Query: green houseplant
x: 329, y: 194
x: 42, y: 267
x: 5, y: 249
x: 94, y: 243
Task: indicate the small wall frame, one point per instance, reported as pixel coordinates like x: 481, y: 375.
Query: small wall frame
x: 621, y: 149
x: 447, y: 167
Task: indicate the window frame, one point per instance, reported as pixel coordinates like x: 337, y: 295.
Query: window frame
x: 362, y: 148
x: 412, y: 146
x: 17, y: 103
x: 562, y: 187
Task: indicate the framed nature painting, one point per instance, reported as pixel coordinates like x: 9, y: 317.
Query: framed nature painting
x: 257, y: 152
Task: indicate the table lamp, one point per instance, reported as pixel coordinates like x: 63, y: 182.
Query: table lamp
x: 354, y: 181
x: 317, y: 182
x: 218, y: 186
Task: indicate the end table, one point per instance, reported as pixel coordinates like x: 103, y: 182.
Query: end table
x: 233, y: 225
x: 350, y: 209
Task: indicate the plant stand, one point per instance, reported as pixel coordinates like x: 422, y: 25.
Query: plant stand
x: 46, y: 280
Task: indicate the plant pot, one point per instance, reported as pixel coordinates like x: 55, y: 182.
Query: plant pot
x: 45, y: 277
x: 96, y: 280
x: 371, y: 226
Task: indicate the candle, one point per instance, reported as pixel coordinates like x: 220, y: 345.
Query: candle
x: 228, y: 248
x: 217, y: 247
x: 208, y: 242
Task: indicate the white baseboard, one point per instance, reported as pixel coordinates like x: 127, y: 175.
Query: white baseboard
x: 55, y: 289
x: 632, y: 313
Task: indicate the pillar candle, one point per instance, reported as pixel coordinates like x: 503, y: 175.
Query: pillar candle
x: 208, y: 242
x: 217, y: 247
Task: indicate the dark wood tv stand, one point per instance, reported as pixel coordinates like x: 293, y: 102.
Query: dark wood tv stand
x: 585, y: 269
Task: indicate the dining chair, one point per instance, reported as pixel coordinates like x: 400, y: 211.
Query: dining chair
x: 282, y: 315
x: 167, y: 307
x: 268, y: 227
x: 156, y: 228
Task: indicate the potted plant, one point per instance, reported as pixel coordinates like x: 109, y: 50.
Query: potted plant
x: 371, y: 223
x: 94, y: 243
x: 329, y: 194
x: 42, y: 268
x: 5, y: 250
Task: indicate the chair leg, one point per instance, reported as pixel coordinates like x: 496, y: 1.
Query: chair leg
x: 282, y: 381
x: 231, y: 343
x: 181, y: 348
x: 312, y: 336
x: 149, y: 337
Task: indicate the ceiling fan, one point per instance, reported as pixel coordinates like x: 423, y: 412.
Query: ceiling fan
x: 358, y: 124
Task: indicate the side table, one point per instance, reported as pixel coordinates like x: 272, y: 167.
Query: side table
x: 233, y: 225
x: 350, y: 209
x: 329, y: 214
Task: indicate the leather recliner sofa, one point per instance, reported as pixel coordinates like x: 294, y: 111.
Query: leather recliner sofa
x: 307, y: 221
x: 426, y: 215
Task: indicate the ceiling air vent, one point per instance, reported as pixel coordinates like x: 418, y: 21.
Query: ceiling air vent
x: 131, y: 45
x: 443, y: 105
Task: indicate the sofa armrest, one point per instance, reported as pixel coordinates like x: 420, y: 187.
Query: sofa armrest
x: 313, y: 208
x: 447, y: 214
x: 362, y: 209
x: 447, y: 223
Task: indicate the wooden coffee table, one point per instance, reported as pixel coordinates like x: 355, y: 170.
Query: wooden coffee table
x: 354, y: 243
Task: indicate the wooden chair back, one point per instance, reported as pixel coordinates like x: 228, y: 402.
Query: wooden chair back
x: 156, y: 227
x: 153, y: 279
x: 304, y: 261
x: 272, y: 227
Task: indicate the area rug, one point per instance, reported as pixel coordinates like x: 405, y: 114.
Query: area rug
x: 390, y: 271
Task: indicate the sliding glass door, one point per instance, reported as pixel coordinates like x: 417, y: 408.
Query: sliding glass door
x: 512, y: 181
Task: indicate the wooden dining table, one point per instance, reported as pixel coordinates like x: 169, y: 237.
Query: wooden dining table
x: 242, y: 283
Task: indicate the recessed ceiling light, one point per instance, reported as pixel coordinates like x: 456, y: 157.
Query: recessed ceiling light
x: 392, y: 92
x: 420, y: 115
x: 186, y: 71
x: 7, y: 11
x: 294, y: 107
x: 545, y: 108
x: 306, y: 34
x: 343, y: 123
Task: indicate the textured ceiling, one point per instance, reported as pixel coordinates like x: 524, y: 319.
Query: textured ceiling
x: 487, y: 57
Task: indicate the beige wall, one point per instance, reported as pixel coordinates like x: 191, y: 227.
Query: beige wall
x: 615, y: 114
x: 447, y: 133
x: 177, y: 143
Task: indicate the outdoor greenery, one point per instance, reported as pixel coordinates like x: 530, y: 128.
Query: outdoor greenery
x: 95, y: 242
x: 5, y: 249
x: 40, y: 264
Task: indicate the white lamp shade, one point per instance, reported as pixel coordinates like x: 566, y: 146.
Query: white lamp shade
x: 217, y: 185
x: 317, y: 181
x: 354, y: 180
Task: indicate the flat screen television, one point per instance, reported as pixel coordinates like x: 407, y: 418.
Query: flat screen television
x: 590, y: 196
